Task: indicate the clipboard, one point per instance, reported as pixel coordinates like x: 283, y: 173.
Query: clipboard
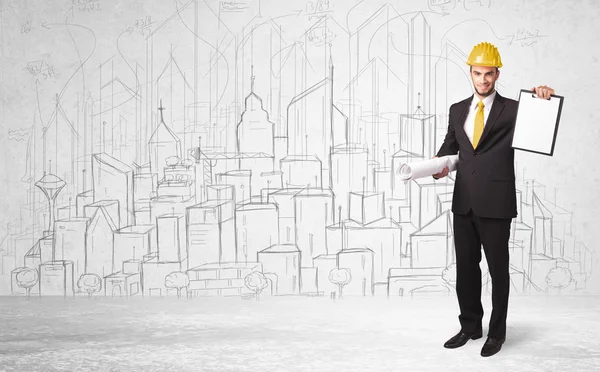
x: 537, y: 122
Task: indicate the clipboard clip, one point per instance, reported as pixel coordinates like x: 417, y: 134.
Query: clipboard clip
x: 533, y: 95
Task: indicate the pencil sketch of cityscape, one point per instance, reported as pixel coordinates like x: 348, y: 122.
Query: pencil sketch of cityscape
x: 214, y: 148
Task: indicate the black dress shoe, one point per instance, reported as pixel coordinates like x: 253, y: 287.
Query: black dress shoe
x: 461, y: 338
x: 491, y: 346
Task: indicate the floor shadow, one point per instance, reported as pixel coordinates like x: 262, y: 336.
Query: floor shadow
x: 517, y: 334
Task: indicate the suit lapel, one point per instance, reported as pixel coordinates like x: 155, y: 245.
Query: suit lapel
x: 497, y: 108
x: 461, y: 121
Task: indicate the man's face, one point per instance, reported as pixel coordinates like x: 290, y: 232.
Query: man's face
x: 484, y: 79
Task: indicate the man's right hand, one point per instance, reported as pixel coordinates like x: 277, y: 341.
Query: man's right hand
x: 442, y: 174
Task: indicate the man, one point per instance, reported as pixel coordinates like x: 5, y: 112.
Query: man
x: 480, y: 130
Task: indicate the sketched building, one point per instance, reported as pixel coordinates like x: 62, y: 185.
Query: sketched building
x: 324, y: 264
x: 113, y: 180
x: 284, y: 199
x: 433, y: 244
x: 423, y: 198
x: 162, y: 205
x: 359, y: 261
x: 122, y: 284
x: 134, y: 243
x: 70, y: 244
x: 313, y: 211
x: 144, y: 188
x: 99, y: 247
x: 211, y: 233
x: 281, y: 264
x: 366, y: 207
x: 419, y: 65
x: 258, y: 165
x: 126, y: 282
x: 418, y: 134
x: 349, y: 172
x: 154, y: 274
x: 334, y: 237
x: 308, y: 281
x: 57, y: 279
x: 257, y: 227
x: 405, y: 281
x: 41, y: 252
x: 171, y: 238
x: 301, y: 171
x: 241, y: 182
x: 315, y: 125
x: 303, y: 215
x: 177, y: 181
x: 163, y: 144
x: 110, y: 207
x: 383, y: 237
x: 83, y: 199
x: 255, y: 132
x: 224, y: 279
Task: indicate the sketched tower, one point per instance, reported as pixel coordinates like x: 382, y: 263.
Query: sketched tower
x: 163, y: 143
x: 315, y: 124
x: 254, y: 132
x: 50, y: 185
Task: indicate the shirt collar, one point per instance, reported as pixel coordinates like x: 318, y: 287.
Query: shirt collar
x: 487, y: 101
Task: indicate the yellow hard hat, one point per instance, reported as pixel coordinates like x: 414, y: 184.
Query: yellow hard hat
x: 484, y: 54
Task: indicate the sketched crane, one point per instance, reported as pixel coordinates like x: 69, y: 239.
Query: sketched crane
x: 209, y: 160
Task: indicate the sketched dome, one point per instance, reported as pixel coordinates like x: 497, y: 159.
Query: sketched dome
x: 50, y: 181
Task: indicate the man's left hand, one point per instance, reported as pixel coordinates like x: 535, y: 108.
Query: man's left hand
x: 543, y: 91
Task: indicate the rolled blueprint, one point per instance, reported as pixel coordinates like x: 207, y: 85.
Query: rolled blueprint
x: 427, y: 168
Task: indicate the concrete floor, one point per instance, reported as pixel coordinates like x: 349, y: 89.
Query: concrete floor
x: 545, y: 333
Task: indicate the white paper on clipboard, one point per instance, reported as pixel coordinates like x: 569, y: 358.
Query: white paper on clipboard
x: 537, y: 123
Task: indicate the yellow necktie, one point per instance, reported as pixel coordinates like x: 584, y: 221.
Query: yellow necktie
x: 478, y: 124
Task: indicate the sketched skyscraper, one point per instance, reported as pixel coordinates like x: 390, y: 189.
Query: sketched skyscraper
x: 315, y: 125
x: 417, y: 127
x: 419, y: 64
x: 254, y: 132
x: 113, y: 180
x: 50, y: 186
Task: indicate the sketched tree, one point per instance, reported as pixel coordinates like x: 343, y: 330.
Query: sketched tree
x: 177, y: 280
x: 27, y: 278
x: 559, y: 278
x: 172, y: 161
x: 256, y: 282
x: 449, y: 275
x: 90, y: 283
x: 340, y: 277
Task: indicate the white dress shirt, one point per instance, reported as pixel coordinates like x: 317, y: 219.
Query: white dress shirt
x: 469, y: 125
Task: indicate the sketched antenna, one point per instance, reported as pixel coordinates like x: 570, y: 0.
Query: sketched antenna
x: 252, y: 79
x: 418, y: 110
x: 50, y: 186
x: 161, y: 109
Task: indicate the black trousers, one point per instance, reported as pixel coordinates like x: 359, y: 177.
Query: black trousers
x: 470, y: 233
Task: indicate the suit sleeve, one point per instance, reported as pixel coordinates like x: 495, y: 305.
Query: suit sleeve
x: 450, y: 145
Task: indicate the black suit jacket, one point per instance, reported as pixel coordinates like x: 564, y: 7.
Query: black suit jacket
x: 485, y: 176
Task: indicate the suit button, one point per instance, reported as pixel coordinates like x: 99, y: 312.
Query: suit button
x: 473, y: 172
x: 476, y: 154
